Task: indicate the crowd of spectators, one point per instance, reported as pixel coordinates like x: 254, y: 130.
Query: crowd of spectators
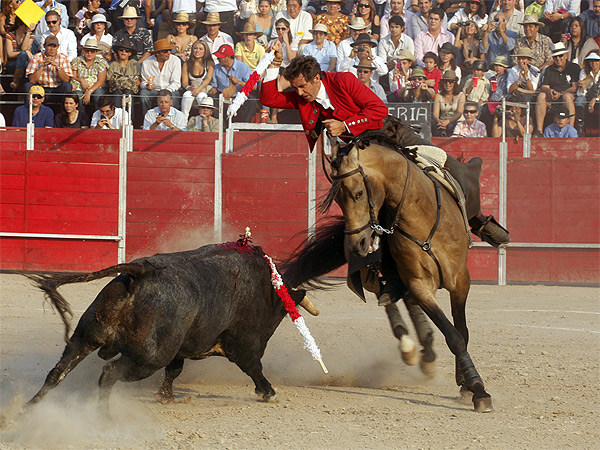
x: 177, y: 56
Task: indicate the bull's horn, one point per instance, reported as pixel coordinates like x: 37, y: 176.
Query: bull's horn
x: 309, y: 306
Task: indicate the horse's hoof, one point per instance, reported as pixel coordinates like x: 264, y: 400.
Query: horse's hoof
x: 164, y: 398
x: 483, y: 404
x: 266, y: 398
x: 428, y: 368
x: 408, y: 350
x: 466, y: 396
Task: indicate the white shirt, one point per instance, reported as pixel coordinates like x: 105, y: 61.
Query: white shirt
x: 572, y: 6
x: 61, y: 9
x: 462, y: 16
x: 67, y: 43
x: 106, y: 38
x: 323, y: 99
x: 220, y: 39
x: 116, y: 120
x: 2, y: 121
x: 219, y: 5
x: 188, y: 6
x: 175, y: 116
x: 513, y: 75
x: 300, y: 26
x: 344, y: 49
x: 169, y: 78
x: 386, y: 49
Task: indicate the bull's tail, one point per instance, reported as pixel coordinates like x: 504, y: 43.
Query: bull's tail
x: 317, y: 256
x: 50, y: 283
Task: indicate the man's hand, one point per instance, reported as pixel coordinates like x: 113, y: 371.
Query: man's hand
x: 334, y: 127
x: 87, y: 97
x: 554, y: 94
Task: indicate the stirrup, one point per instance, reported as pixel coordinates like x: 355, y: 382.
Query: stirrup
x: 492, y: 232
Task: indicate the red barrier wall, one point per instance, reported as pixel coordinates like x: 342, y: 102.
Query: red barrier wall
x: 69, y: 185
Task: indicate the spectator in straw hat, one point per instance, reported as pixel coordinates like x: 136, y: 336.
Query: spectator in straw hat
x: 365, y: 48
x: 205, y: 120
x: 182, y: 38
x: 398, y: 78
x: 160, y: 71
x: 539, y: 44
x: 416, y: 90
x: 561, y: 127
x: 98, y: 29
x: 558, y: 85
x: 448, y: 105
x: 364, y: 70
x: 140, y: 38
x: 214, y: 37
x: 50, y: 69
x: 249, y: 51
x: 226, y: 10
x: 89, y: 73
x: 344, y: 48
x: 523, y: 77
x: 499, y: 80
x: 322, y: 49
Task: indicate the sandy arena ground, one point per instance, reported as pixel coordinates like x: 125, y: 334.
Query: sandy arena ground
x: 536, y: 347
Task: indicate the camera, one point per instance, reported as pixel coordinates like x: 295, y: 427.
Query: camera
x: 464, y: 24
x: 415, y: 84
x: 102, y: 117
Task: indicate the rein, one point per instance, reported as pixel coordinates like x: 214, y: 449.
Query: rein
x: 379, y: 230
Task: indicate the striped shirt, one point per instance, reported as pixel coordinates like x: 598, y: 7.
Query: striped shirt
x: 49, y: 77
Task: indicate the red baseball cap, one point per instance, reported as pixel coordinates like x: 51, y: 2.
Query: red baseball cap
x: 224, y: 50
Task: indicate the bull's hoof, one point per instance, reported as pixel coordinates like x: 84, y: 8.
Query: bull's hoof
x: 483, y: 404
x: 428, y: 368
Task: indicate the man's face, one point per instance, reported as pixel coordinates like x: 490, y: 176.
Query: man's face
x: 396, y: 30
x: 434, y: 22
x: 424, y: 6
x: 523, y: 61
x: 560, y: 61
x: 397, y: 6
x: 51, y: 50
x: 226, y: 61
x: 53, y: 22
x: 129, y: 23
x: 354, y: 33
x: 164, y: 104
x: 308, y: 90
x: 163, y: 55
x: 89, y: 55
x: 596, y: 7
x: 107, y: 111
x: 509, y: 4
x: 212, y: 30
x: 293, y: 8
x: 531, y: 30
x: 363, y: 74
x: 37, y: 100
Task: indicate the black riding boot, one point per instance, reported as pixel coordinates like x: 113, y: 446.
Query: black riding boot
x: 488, y: 230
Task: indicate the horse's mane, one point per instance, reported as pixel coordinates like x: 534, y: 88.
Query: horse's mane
x: 361, y: 142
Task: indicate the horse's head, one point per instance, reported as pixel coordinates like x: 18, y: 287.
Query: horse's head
x: 359, y: 191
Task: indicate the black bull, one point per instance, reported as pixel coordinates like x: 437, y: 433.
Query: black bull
x: 161, y: 310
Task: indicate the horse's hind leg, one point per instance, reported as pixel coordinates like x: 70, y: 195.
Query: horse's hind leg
x: 407, y: 345
x: 424, y: 334
x: 172, y: 371
x: 455, y: 340
x: 74, y: 353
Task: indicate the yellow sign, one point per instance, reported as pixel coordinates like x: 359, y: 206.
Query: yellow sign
x: 30, y: 13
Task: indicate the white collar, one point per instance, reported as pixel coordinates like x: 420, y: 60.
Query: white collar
x: 322, y: 98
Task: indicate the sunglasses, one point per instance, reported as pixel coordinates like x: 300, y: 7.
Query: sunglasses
x: 280, y: 28
x: 363, y: 71
x: 164, y: 51
x: 362, y: 5
x: 51, y: 22
x: 37, y: 96
x: 470, y: 111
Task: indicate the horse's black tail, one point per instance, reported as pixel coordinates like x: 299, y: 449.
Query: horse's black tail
x: 317, y: 256
x: 49, y: 283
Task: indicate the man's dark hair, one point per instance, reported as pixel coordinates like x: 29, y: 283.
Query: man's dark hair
x: 397, y: 20
x: 106, y: 101
x: 438, y: 12
x: 165, y: 93
x: 52, y: 13
x: 302, y: 65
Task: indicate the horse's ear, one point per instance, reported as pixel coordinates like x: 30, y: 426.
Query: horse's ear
x: 335, y: 147
x: 352, y: 157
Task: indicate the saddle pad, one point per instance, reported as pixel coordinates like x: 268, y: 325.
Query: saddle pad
x: 427, y: 156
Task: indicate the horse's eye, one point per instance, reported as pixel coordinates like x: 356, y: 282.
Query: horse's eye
x: 358, y: 195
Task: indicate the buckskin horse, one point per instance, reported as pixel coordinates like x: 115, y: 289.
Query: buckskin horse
x: 427, y: 236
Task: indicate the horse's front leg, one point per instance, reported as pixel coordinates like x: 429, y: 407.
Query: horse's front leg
x: 425, y: 297
x: 458, y: 300
x: 424, y: 334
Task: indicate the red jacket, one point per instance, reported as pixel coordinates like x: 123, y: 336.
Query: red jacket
x: 355, y: 104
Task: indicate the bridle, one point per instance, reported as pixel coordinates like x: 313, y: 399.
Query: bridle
x: 374, y: 223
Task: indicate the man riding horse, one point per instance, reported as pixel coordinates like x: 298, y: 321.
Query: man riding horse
x: 346, y: 108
